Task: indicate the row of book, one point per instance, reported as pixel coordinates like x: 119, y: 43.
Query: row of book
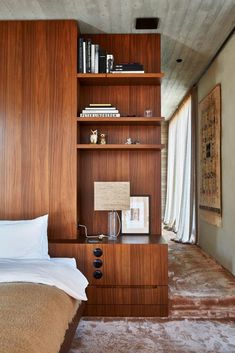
x: 100, y: 110
x: 93, y: 59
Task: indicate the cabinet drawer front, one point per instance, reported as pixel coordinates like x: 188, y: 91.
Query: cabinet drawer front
x: 129, y: 265
x: 127, y: 295
x: 127, y: 310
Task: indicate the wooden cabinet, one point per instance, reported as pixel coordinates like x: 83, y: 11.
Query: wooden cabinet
x: 128, y: 277
x: 131, y: 275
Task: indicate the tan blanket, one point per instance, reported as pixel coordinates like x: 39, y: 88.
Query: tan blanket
x: 33, y: 317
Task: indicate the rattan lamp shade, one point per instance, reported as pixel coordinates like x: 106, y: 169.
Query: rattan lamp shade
x: 111, y: 195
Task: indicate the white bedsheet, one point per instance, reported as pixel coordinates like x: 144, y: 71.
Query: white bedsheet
x: 57, y: 274
x: 70, y: 261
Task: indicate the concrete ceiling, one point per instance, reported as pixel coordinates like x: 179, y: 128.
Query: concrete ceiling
x: 192, y: 30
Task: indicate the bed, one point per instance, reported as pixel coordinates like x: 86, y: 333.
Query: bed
x: 41, y: 298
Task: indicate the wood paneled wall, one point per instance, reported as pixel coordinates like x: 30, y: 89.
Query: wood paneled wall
x: 38, y: 67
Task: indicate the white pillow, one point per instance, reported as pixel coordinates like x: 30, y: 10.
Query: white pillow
x: 36, y: 227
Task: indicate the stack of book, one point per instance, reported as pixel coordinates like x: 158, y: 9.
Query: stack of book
x: 131, y: 68
x: 91, y: 57
x: 100, y: 110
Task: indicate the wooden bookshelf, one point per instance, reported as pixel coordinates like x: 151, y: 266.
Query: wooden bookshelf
x: 131, y: 94
x: 124, y: 288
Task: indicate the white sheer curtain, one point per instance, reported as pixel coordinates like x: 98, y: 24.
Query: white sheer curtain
x: 180, y: 199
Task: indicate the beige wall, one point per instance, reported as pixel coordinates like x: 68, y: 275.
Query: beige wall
x: 219, y: 242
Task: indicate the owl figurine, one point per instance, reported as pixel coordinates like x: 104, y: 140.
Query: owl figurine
x: 94, y: 136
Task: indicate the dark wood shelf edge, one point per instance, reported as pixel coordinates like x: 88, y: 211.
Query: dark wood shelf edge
x: 127, y: 75
x: 120, y: 79
x: 120, y: 147
x: 121, y: 120
x: 122, y: 239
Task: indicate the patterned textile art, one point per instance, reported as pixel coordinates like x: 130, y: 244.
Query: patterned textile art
x: 210, y: 166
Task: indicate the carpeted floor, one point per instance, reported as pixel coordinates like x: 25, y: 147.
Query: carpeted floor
x: 201, y: 320
x: 154, y: 336
x: 198, y: 286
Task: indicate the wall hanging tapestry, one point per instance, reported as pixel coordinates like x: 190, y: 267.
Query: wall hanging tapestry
x: 210, y: 163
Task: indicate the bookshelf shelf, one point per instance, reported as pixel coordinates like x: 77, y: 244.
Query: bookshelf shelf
x: 120, y: 147
x: 120, y: 79
x: 120, y: 121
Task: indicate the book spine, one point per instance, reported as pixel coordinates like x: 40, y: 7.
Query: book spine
x: 100, y: 105
x: 88, y: 56
x: 92, y: 58
x: 129, y: 65
x: 102, y: 61
x: 104, y: 115
x: 127, y: 72
x: 84, y: 57
x: 100, y: 108
x: 80, y: 55
x: 128, y: 69
x: 85, y: 111
x: 96, y: 58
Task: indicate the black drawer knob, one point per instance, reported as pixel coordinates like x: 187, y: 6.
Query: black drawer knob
x: 98, y: 252
x: 97, y: 263
x: 97, y: 274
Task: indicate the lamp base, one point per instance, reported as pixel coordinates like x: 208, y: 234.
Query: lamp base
x: 113, y: 225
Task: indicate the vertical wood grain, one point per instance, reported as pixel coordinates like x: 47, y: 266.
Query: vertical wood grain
x: 37, y: 122
x: 10, y: 106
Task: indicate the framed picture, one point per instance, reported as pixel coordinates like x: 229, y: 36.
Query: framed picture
x: 210, y: 158
x: 136, y: 220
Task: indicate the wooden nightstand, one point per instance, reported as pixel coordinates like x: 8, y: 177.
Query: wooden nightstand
x: 127, y: 277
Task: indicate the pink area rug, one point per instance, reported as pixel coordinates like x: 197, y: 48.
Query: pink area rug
x: 154, y: 336
x: 198, y: 286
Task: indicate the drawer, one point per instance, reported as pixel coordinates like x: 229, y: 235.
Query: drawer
x: 127, y: 310
x: 127, y: 295
x: 126, y: 264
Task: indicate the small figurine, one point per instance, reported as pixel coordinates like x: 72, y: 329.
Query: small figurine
x: 148, y: 113
x: 128, y: 141
x: 94, y: 136
x: 102, y: 139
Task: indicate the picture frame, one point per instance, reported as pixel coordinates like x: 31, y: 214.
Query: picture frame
x: 136, y: 220
x: 210, y: 191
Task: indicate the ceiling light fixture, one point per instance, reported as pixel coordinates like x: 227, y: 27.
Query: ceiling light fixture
x: 146, y: 23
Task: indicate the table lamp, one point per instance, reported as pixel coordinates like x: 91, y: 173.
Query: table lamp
x: 112, y: 196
